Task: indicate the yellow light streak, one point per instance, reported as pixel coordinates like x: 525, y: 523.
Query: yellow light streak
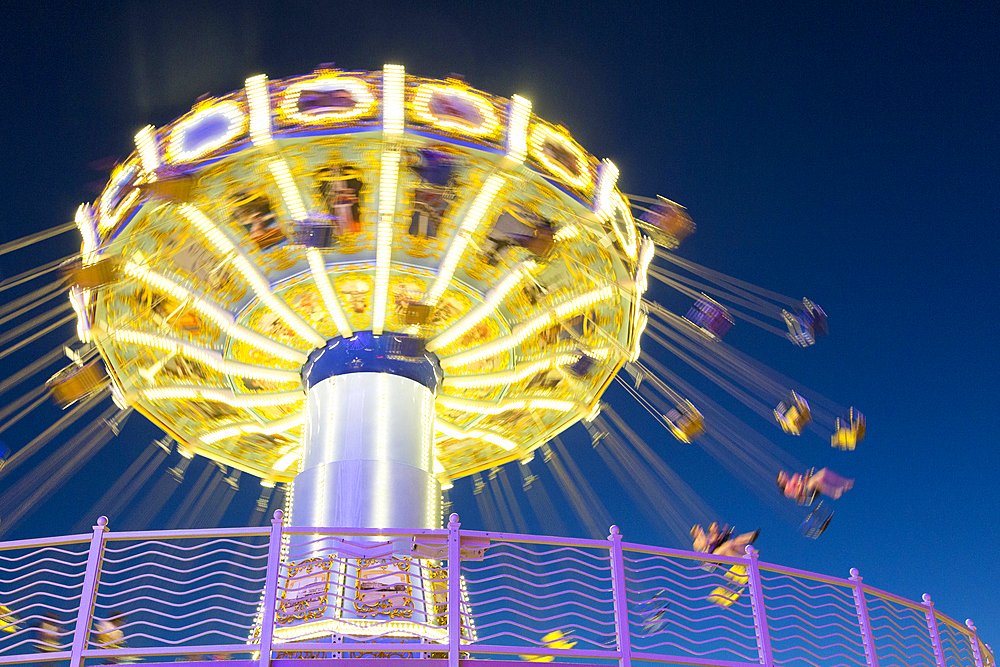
x: 247, y: 428
x: 469, y: 224
x: 539, y: 135
x: 282, y: 464
x: 149, y: 152
x: 318, y: 269
x: 383, y: 247
x: 364, y: 101
x: 517, y: 128
x: 490, y: 306
x: 608, y: 176
x: 257, y: 281
x: 452, y: 431
x: 488, y: 408
x: 109, y: 218
x: 286, y: 184
x: 393, y: 81
x: 223, y: 318
x: 421, y: 108
x: 628, y: 240
x: 211, y: 358
x: 194, y: 392
x: 260, y: 110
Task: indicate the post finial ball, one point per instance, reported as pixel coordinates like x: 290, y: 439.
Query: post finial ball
x: 102, y: 521
x: 927, y: 598
x: 453, y: 521
x: 854, y: 572
x: 278, y: 515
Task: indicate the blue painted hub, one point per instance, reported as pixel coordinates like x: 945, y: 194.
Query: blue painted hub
x: 365, y: 352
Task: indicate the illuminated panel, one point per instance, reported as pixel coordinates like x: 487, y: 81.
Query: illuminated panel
x: 257, y: 282
x: 211, y: 358
x: 383, y: 247
x: 289, y: 193
x: 393, y: 80
x: 194, y: 392
x: 469, y: 224
x: 364, y: 101
x: 453, y: 431
x: 119, y: 179
x: 517, y: 128
x: 627, y: 239
x: 566, y: 233
x: 286, y: 461
x: 522, y: 331
x: 223, y: 318
x: 322, y: 280
x: 260, y: 110
x: 78, y: 300
x: 607, y: 177
x: 245, y: 428
x: 493, y: 301
x: 542, y: 134
x: 149, y: 151
x: 519, y: 373
x: 228, y: 112
x: 421, y: 108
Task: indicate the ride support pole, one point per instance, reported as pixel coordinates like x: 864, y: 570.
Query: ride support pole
x: 861, y: 605
x: 91, y: 577
x: 974, y: 640
x: 619, y: 590
x: 270, y: 590
x: 933, y: 627
x: 759, y: 612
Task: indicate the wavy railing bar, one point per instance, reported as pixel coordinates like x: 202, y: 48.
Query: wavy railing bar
x: 45, y: 542
x: 188, y: 533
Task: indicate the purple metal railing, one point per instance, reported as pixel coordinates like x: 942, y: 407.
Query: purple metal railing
x: 493, y: 597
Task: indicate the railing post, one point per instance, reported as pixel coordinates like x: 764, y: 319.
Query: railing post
x: 270, y: 590
x: 976, y: 653
x: 759, y: 610
x: 88, y: 595
x: 933, y: 627
x: 454, y: 590
x: 619, y: 592
x: 863, y: 621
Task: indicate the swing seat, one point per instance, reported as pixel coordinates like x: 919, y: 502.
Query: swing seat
x: 816, y: 523
x: 710, y: 317
x: 667, y: 224
x: 723, y: 597
x: 76, y: 382
x: 100, y: 273
x: 686, y: 426
x: 850, y: 430
x: 793, y: 414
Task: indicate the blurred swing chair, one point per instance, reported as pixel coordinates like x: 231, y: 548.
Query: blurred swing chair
x: 653, y: 612
x: 76, y: 382
x: 817, y: 521
x: 710, y: 317
x: 807, y: 324
x: 734, y: 585
x: 667, y: 224
x: 685, y: 423
x: 556, y: 639
x: 793, y: 414
x: 4, y: 455
x: 850, y: 430
x: 91, y: 276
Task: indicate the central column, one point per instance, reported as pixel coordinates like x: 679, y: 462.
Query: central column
x: 367, y: 458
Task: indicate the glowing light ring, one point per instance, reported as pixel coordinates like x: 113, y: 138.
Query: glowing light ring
x: 122, y: 175
x: 364, y: 101
x: 628, y: 239
x: 488, y: 127
x: 179, y: 393
x: 539, y: 134
x: 228, y: 109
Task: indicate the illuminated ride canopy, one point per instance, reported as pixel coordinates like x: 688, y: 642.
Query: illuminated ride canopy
x: 365, y: 278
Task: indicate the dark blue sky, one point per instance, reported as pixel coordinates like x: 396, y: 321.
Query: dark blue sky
x: 846, y: 152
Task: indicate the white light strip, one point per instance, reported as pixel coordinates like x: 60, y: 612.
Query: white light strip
x: 383, y: 247
x: 521, y: 372
x: 640, y: 326
x: 608, y: 176
x: 91, y: 240
x: 393, y: 83
x: 223, y: 318
x: 290, y: 193
x: 221, y: 396
x: 271, y: 428
x: 526, y: 329
x: 517, y: 128
x: 149, y: 151
x: 382, y: 473
x: 331, y: 421
x: 78, y: 300
x: 488, y: 408
x: 362, y: 628
x: 493, y: 301
x: 107, y: 217
x: 427, y: 425
x: 628, y: 243
x: 211, y: 358
x: 318, y: 269
x: 646, y: 252
x: 257, y: 281
x: 453, y: 431
x: 469, y: 224
x: 282, y: 464
x: 566, y: 233
x: 260, y: 110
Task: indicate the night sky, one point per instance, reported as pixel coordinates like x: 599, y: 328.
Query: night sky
x: 846, y: 152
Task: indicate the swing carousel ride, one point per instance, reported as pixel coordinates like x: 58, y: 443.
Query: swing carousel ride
x: 430, y: 272
x: 359, y: 287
